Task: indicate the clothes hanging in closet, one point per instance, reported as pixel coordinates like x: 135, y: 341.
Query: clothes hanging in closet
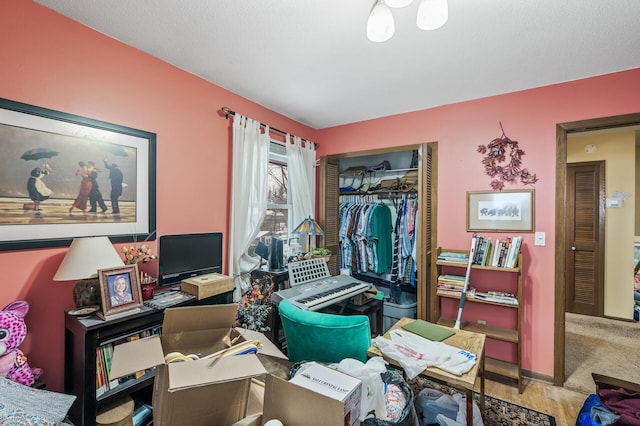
x: 370, y: 242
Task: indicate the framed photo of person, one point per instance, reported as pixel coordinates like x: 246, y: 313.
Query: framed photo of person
x: 119, y: 290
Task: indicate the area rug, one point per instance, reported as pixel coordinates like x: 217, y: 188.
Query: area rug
x: 497, y: 411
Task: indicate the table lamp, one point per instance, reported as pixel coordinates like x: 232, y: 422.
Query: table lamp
x: 308, y: 227
x: 82, y: 261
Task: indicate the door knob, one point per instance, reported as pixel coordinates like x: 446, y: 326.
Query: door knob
x: 573, y: 248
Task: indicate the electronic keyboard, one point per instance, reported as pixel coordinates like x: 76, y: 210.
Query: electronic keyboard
x: 320, y: 293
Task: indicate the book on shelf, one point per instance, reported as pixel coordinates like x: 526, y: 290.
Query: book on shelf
x: 503, y: 253
x: 104, y: 353
x: 451, y: 279
x: 142, y: 413
x: 452, y: 257
x: 507, y: 300
x: 516, y: 244
x: 450, y: 287
x: 481, y: 247
x: 455, y: 293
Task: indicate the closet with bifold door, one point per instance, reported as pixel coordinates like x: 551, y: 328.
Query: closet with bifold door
x: 376, y: 212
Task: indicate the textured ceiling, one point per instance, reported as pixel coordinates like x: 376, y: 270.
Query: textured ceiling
x: 311, y: 61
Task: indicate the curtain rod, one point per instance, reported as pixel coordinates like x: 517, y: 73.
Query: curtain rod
x: 227, y: 112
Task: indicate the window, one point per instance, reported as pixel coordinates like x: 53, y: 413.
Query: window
x: 278, y: 216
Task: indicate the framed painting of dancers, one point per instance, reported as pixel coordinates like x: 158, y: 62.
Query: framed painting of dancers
x: 64, y: 176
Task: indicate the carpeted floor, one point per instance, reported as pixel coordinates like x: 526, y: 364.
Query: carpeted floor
x: 497, y: 411
x: 599, y: 345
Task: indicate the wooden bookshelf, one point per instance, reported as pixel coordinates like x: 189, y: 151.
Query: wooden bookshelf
x: 511, y: 370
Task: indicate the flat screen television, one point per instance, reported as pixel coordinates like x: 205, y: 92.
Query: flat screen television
x: 188, y: 255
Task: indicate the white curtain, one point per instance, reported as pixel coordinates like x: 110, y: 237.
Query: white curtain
x: 248, y: 197
x: 301, y: 161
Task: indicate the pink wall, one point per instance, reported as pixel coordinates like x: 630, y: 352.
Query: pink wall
x: 53, y: 62
x: 50, y: 61
x: 528, y: 117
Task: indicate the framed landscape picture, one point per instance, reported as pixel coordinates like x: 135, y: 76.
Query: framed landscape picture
x: 501, y: 211
x: 64, y: 176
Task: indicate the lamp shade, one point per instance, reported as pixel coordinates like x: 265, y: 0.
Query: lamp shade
x: 380, y: 26
x: 432, y: 14
x: 308, y: 227
x: 398, y: 3
x: 85, y: 256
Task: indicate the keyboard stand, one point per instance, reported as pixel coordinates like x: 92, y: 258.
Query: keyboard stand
x: 373, y: 309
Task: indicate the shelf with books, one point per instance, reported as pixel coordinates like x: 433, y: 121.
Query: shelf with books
x: 104, y: 383
x: 497, y: 288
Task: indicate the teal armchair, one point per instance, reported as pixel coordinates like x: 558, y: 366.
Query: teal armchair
x: 316, y: 336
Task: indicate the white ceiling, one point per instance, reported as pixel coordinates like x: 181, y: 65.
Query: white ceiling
x: 311, y: 61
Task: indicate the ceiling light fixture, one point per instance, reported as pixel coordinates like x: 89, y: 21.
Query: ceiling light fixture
x: 432, y: 14
x: 380, y: 26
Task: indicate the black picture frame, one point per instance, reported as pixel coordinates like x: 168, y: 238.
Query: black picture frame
x: 32, y: 136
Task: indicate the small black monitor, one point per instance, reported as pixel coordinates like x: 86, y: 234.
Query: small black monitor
x: 184, y: 256
x: 276, y: 254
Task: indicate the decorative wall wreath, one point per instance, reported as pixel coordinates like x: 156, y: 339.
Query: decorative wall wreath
x: 496, y: 153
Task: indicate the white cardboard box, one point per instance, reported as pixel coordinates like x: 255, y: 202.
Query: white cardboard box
x: 297, y: 405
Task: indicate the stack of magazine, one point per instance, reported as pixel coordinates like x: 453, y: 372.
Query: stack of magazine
x: 452, y: 257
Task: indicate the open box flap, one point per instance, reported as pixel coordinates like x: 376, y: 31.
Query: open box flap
x: 192, y: 318
x: 200, y: 342
x: 135, y: 356
x: 200, y: 372
x: 267, y: 347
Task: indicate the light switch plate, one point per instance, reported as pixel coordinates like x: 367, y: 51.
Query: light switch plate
x: 541, y: 239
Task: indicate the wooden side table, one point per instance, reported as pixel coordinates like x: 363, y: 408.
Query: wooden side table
x: 467, y: 340
x: 280, y: 282
x: 280, y: 278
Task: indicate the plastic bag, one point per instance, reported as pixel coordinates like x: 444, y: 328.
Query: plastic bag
x: 372, y: 394
x: 415, y: 354
x: 461, y: 417
x: 407, y: 417
x: 431, y: 402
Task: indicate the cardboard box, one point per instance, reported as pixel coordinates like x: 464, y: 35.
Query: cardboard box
x: 196, y: 392
x: 296, y: 405
x: 335, y: 385
x: 208, y: 285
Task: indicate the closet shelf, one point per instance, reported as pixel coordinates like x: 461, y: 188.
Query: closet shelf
x: 355, y: 173
x: 379, y: 191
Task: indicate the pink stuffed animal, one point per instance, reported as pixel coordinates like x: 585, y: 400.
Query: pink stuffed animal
x: 13, y: 330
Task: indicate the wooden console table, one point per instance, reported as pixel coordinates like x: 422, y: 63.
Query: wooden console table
x: 467, y: 340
